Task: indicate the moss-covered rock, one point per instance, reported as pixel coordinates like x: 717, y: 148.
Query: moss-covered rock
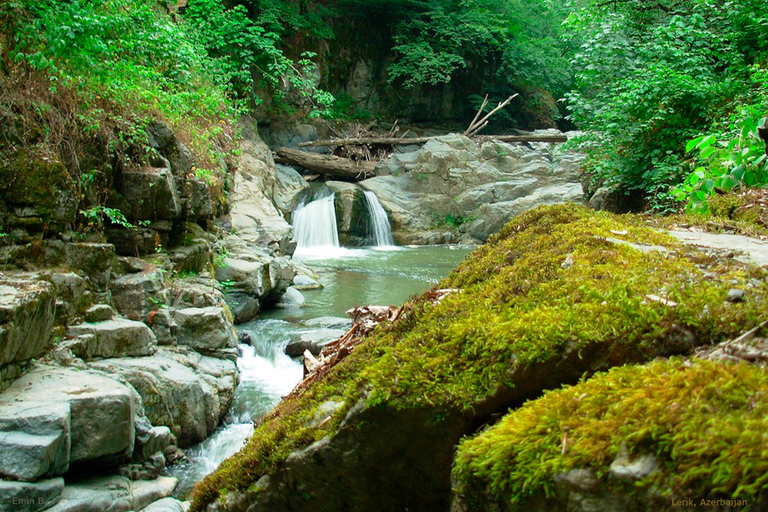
x: 634, y: 438
x: 560, y: 292
x: 39, y: 187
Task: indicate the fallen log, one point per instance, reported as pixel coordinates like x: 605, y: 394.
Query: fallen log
x: 341, y: 168
x: 398, y: 141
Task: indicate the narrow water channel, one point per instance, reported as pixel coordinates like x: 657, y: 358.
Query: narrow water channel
x: 350, y: 277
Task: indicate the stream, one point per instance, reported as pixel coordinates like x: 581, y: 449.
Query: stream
x: 382, y: 275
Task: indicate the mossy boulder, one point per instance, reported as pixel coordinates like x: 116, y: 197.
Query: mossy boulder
x: 561, y: 292
x: 635, y: 438
x: 39, y: 187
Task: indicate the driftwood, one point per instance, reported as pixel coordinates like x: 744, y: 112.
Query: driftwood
x: 399, y: 141
x: 478, y: 124
x: 341, y: 168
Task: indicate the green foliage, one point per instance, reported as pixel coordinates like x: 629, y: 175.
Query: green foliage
x: 96, y: 214
x: 651, y: 77
x: 242, y: 48
x: 733, y: 157
x: 518, y: 307
x: 702, y: 419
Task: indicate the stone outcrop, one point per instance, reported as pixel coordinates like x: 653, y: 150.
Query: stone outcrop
x: 26, y: 317
x: 188, y: 393
x: 452, y: 189
x: 53, y: 417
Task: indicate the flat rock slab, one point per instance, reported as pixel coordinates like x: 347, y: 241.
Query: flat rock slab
x: 167, y: 505
x: 113, y: 494
x: 747, y: 249
x: 102, y: 411
x: 113, y: 338
x: 30, y: 496
x: 34, y: 440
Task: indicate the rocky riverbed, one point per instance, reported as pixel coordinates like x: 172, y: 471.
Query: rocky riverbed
x: 119, y: 349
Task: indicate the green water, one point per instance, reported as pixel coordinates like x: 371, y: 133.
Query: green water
x: 360, y: 277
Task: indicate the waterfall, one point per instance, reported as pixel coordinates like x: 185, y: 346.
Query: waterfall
x: 380, y: 228
x: 315, y: 223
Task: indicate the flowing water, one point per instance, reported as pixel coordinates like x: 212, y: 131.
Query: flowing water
x: 380, y: 229
x: 382, y: 275
x: 314, y: 223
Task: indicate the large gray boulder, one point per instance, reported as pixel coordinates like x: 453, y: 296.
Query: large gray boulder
x: 151, y: 193
x: 136, y: 295
x: 186, y: 392
x: 289, y: 188
x: 251, y: 280
x: 26, y: 317
x: 206, y: 330
x: 117, y: 337
x: 34, y: 440
x: 453, y: 189
x: 60, y: 416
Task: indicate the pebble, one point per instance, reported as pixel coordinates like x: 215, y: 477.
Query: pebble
x: 735, y: 295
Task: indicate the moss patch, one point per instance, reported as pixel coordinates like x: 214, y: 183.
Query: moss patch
x: 40, y: 182
x: 705, y: 421
x: 545, y: 291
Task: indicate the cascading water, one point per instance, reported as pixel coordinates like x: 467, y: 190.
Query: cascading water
x: 380, y: 228
x: 314, y: 223
x: 266, y: 375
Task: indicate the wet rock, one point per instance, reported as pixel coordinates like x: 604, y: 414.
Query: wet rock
x: 112, y: 338
x: 292, y: 298
x: 205, y: 330
x: 167, y: 505
x: 303, y: 282
x: 351, y: 212
x: 329, y: 322
x: 313, y: 341
x: 30, y: 496
x: 26, y: 317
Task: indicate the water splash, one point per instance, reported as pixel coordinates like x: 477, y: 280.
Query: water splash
x: 315, y: 223
x: 379, y: 222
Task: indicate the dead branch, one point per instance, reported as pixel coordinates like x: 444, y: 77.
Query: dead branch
x: 476, y: 125
x: 395, y: 141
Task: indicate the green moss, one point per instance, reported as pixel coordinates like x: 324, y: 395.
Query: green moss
x: 705, y: 421
x: 547, y: 289
x: 45, y: 184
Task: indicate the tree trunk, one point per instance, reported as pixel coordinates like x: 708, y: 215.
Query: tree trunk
x: 340, y: 168
x: 395, y: 141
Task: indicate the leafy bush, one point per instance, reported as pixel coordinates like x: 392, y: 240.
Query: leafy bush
x: 650, y: 78
x: 732, y: 157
